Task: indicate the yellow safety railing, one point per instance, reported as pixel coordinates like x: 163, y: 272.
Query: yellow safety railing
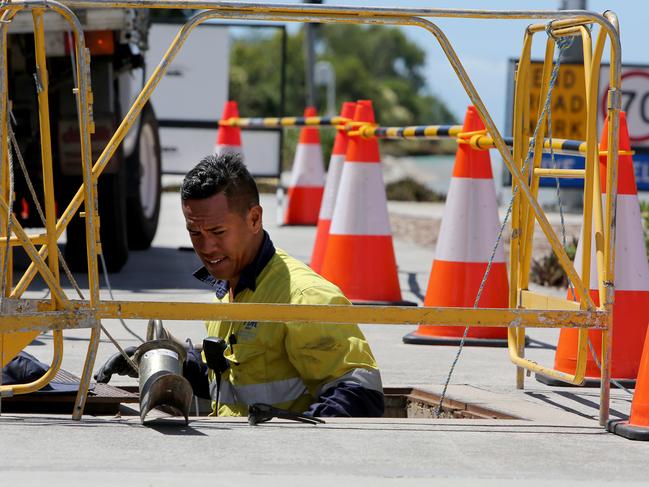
x: 49, y: 271
x: 526, y: 309
x: 523, y: 225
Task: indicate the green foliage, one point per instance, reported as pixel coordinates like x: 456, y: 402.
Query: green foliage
x: 410, y: 190
x: 381, y: 64
x: 644, y: 211
x: 375, y: 62
x: 548, y: 271
x: 371, y: 62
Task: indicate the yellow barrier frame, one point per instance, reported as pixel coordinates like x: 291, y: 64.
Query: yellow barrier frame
x: 61, y: 313
x: 523, y: 225
x: 50, y: 271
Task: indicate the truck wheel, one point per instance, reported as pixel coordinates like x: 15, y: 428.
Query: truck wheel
x: 112, y: 229
x: 144, y: 183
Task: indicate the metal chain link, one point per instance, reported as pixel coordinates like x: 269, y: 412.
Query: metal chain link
x: 66, y: 269
x: 563, y: 43
x: 39, y: 209
x: 10, y: 204
x: 5, y: 264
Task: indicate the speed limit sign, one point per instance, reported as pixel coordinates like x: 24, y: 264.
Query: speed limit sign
x: 635, y: 101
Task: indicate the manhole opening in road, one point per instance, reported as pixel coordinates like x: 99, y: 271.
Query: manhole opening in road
x: 410, y: 402
x: 103, y: 399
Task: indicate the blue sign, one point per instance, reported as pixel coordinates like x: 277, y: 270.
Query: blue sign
x: 562, y: 161
x: 640, y: 164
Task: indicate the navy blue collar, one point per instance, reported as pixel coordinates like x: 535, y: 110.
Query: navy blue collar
x: 249, y: 274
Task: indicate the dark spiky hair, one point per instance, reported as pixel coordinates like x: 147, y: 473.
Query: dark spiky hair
x: 225, y: 173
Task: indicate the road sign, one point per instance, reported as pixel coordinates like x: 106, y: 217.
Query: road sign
x: 641, y: 166
x: 569, y: 114
x: 568, y: 103
x: 635, y: 101
x: 568, y: 109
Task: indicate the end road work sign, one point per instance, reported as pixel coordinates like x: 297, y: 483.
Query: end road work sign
x: 568, y: 107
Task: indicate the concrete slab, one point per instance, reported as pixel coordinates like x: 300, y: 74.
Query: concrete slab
x: 557, y: 438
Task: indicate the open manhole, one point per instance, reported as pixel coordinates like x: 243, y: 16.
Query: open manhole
x: 409, y: 402
x: 103, y: 399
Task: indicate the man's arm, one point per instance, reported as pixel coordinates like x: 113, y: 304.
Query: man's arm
x: 336, y: 364
x: 348, y: 400
x: 195, y: 371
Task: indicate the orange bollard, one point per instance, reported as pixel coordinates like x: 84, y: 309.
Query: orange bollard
x: 466, y: 238
x: 360, y: 255
x: 631, y: 308
x: 331, y: 190
x: 307, y: 178
x: 228, y: 139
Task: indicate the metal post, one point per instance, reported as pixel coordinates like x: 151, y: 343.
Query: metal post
x: 309, y: 60
x: 573, y: 198
x: 42, y: 87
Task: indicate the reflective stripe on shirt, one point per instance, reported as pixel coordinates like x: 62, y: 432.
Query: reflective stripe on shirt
x: 367, y: 378
x: 269, y: 393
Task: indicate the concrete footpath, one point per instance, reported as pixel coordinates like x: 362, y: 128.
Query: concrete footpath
x: 556, y: 437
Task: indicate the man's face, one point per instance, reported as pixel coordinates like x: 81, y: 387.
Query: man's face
x: 224, y: 239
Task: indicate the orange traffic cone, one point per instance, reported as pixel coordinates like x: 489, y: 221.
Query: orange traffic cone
x: 360, y: 255
x: 467, y: 235
x: 307, y: 178
x: 631, y: 308
x: 331, y: 190
x: 228, y: 139
x: 637, y: 427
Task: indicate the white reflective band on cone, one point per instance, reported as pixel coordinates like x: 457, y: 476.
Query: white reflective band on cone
x: 470, y: 225
x: 367, y: 378
x: 307, y: 169
x: 227, y: 149
x: 268, y: 393
x: 361, y: 206
x: 331, y: 188
x: 631, y: 265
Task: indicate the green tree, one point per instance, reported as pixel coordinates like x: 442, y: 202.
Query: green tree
x: 371, y: 62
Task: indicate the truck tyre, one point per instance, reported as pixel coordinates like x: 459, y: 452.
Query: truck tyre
x: 112, y: 229
x: 144, y: 183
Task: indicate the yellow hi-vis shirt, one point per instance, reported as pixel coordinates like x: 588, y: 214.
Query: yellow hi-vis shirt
x: 288, y: 365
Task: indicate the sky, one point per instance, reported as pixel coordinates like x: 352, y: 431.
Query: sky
x: 485, y: 46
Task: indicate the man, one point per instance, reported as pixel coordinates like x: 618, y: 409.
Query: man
x: 323, y: 369
x: 317, y: 369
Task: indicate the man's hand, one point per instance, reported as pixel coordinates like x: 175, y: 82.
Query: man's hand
x: 213, y: 348
x: 116, y: 364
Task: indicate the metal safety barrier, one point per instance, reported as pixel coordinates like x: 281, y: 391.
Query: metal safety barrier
x: 523, y: 225
x: 526, y: 309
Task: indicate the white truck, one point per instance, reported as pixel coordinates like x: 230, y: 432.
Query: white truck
x: 125, y: 46
x: 129, y: 189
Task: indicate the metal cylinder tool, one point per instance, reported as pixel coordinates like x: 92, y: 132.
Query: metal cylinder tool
x: 162, y: 385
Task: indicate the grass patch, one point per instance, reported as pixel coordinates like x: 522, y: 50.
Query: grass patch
x: 410, y: 190
x: 547, y: 271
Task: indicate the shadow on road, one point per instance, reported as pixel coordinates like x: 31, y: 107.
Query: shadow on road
x: 152, y: 269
